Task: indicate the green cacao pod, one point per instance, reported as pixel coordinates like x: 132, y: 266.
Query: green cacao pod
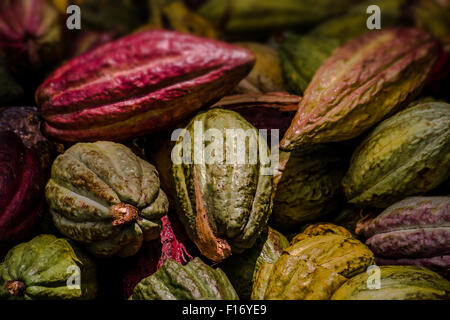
x: 353, y: 23
x: 223, y: 200
x: 193, y: 281
x: 396, y: 283
x: 405, y: 155
x: 105, y: 197
x: 307, y: 186
x: 301, y: 56
x: 42, y: 268
x: 362, y: 82
x: 266, y: 73
x: 241, y: 269
x: 312, y: 269
x: 239, y: 16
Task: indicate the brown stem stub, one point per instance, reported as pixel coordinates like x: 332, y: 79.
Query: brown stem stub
x: 15, y: 288
x: 123, y: 213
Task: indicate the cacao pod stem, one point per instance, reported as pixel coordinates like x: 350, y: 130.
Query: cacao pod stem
x: 15, y: 288
x: 210, y: 246
x: 123, y: 213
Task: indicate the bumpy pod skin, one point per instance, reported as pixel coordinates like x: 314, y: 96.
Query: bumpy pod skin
x: 193, y: 281
x: 142, y: 83
x: 312, y: 269
x: 42, y: 268
x: 321, y: 228
x: 224, y: 205
x: 105, y: 197
x: 362, y: 82
x: 396, y: 283
x: 405, y: 155
x: 413, y: 231
x: 241, y: 269
x: 308, y: 186
x: 21, y: 191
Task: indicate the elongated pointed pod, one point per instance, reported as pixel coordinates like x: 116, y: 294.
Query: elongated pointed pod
x: 223, y: 183
x: 363, y: 81
x: 142, y: 83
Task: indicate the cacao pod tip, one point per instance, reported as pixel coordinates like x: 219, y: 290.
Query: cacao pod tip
x: 123, y: 213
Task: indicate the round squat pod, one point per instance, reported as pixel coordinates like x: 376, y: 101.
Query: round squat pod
x: 105, y: 197
x: 193, y: 281
x: 47, y: 267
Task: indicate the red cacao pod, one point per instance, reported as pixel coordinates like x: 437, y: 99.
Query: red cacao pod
x: 21, y: 190
x: 139, y: 84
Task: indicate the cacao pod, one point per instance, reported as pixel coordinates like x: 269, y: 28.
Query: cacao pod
x: 266, y: 74
x: 224, y: 201
x: 396, y: 283
x: 194, y: 281
x: 172, y: 244
x: 307, y: 186
x: 241, y: 269
x: 362, y: 82
x: 30, y: 34
x: 321, y: 228
x: 407, y: 154
x: 26, y: 122
x: 138, y: 84
x: 301, y: 56
x: 312, y: 269
x: 353, y: 23
x: 240, y: 16
x: 105, y: 197
x: 414, y: 231
x: 21, y: 190
x: 41, y: 268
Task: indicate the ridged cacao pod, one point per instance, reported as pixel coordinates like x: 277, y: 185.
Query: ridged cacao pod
x: 312, y: 269
x: 194, y: 281
x: 307, y: 186
x: 301, y: 56
x: 142, y: 83
x: 224, y: 198
x: 173, y: 243
x: 239, y: 16
x: 241, y: 269
x: 396, y: 283
x: 26, y: 122
x: 266, y: 74
x: 363, y: 81
x: 413, y: 231
x: 105, y: 197
x: 30, y: 34
x: 41, y: 269
x: 21, y: 190
x: 407, y: 154
x: 353, y: 23
x: 321, y: 228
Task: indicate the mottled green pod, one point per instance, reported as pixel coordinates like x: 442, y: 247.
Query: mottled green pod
x: 396, y: 283
x: 193, y: 281
x: 312, y: 269
x: 301, y: 56
x: 241, y: 269
x: 223, y: 184
x: 307, y: 186
x: 47, y: 267
x: 105, y: 197
x: 405, y: 155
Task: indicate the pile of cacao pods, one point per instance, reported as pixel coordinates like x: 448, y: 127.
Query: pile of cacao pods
x: 101, y: 180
